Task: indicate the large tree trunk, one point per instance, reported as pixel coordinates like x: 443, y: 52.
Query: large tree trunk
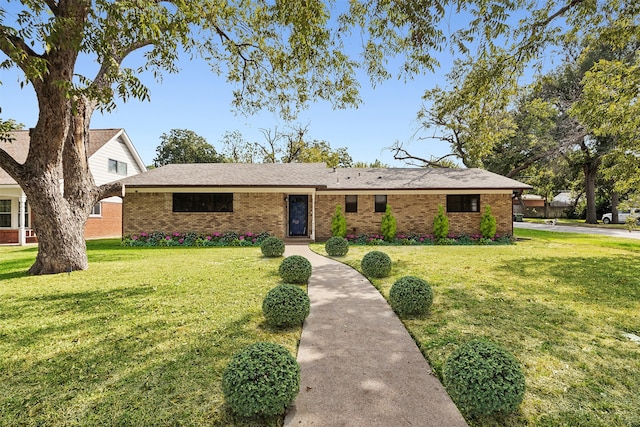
x: 59, y: 215
x: 60, y: 234
x: 615, y: 200
x: 590, y: 173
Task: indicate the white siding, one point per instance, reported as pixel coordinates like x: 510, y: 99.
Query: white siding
x: 99, y: 164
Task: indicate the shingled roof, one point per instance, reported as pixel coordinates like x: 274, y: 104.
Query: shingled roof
x: 317, y: 175
x: 18, y: 147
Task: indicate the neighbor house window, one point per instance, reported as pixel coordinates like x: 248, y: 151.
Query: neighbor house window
x: 380, y: 204
x: 116, y: 166
x: 351, y: 203
x: 5, y: 213
x: 97, y: 209
x: 203, y: 202
x: 463, y: 203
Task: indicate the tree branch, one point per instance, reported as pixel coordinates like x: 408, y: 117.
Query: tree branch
x: 17, y: 50
x: 10, y: 165
x: 111, y: 189
x: 558, y: 13
x: 399, y: 153
x: 513, y: 172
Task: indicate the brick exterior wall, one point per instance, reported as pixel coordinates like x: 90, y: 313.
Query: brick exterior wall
x: 413, y: 213
x: 8, y: 236
x: 252, y: 212
x: 109, y: 224
x: 257, y: 212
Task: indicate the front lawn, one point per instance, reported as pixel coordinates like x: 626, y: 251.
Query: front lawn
x: 559, y: 302
x: 139, y: 339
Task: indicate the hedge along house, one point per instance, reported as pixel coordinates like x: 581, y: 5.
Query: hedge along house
x: 299, y: 200
x: 111, y: 157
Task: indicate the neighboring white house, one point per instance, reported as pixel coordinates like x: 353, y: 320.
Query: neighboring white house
x: 112, y: 156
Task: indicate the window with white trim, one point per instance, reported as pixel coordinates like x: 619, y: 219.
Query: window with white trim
x: 5, y: 213
x: 96, y: 210
x: 116, y: 166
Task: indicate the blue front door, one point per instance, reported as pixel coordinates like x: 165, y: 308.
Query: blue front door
x: 298, y: 214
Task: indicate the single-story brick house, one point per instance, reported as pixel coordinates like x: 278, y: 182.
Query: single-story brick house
x: 111, y: 156
x: 298, y: 199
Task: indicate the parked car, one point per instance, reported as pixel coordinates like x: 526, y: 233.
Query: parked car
x: 622, y: 216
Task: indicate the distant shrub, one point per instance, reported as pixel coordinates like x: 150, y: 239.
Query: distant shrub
x: 285, y: 305
x: 376, y: 264
x: 295, y: 269
x: 337, y: 246
x: 272, y: 247
x: 388, y: 225
x: 440, y: 225
x: 261, y: 380
x: 483, y: 379
x: 410, y: 295
x: 488, y: 225
x: 338, y: 223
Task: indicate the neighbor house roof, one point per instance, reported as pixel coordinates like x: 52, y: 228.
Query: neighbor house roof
x: 563, y: 199
x: 319, y: 176
x: 18, y: 147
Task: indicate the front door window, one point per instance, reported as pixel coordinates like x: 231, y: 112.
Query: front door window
x: 298, y: 214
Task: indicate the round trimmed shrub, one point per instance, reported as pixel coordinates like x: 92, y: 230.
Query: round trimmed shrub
x: 483, y: 379
x: 337, y: 246
x: 295, y: 269
x: 410, y: 295
x: 376, y: 264
x: 286, y: 305
x: 272, y: 247
x: 261, y: 380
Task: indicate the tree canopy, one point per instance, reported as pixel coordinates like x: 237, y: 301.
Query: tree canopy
x: 185, y: 146
x: 283, y: 146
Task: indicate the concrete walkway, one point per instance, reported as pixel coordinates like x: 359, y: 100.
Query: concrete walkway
x: 359, y: 365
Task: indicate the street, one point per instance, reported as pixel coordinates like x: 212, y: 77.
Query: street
x: 613, y: 232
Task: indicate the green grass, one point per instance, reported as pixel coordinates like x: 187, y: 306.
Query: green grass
x: 140, y: 339
x: 559, y: 302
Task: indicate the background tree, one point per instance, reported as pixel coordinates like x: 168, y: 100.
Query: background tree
x: 609, y: 108
x: 471, y: 117
x: 185, y: 146
x: 376, y: 164
x: 284, y: 146
x: 236, y: 149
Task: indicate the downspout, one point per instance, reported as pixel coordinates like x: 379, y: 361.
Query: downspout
x: 313, y: 215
